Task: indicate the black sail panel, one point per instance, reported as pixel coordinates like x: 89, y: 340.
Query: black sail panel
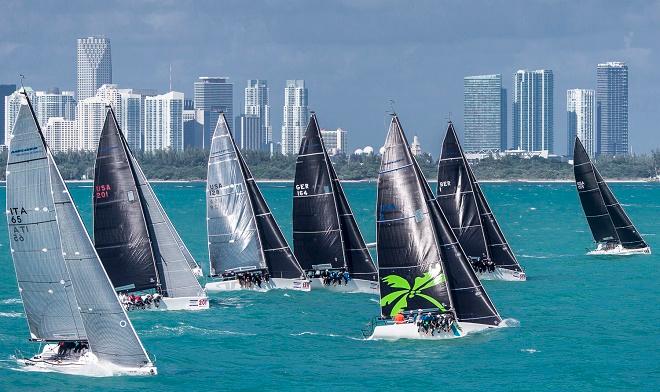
x: 358, y: 259
x: 121, y: 237
x: 626, y: 231
x: 591, y: 197
x: 316, y: 232
x: 456, y: 196
x: 409, y: 265
x: 279, y: 258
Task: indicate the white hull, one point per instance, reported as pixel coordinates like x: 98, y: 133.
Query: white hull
x: 619, y: 251
x: 86, y: 364
x: 410, y: 331
x: 173, y: 303
x: 353, y: 286
x: 274, y: 283
x: 503, y: 274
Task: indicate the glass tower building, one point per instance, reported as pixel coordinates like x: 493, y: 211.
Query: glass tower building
x: 580, y: 109
x: 533, y: 110
x: 612, y: 108
x: 296, y: 115
x: 484, y: 113
x: 213, y: 95
x: 94, y: 66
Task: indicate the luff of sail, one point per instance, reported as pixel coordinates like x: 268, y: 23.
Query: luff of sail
x: 591, y: 197
x: 317, y: 237
x: 233, y: 239
x: 121, y: 236
x: 110, y: 334
x: 409, y: 263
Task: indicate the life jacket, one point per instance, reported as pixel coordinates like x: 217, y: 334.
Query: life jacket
x: 399, y: 319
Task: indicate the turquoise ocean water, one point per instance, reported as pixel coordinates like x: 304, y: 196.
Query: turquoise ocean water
x: 584, y: 322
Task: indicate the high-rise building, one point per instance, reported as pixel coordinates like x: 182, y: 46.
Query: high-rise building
x: 193, y: 127
x: 416, y: 146
x: 5, y: 91
x: 62, y: 134
x: 295, y: 116
x: 249, y: 132
x: 128, y: 107
x: 12, y: 106
x: 54, y: 103
x: 94, y: 66
x: 533, y: 123
x: 612, y: 108
x: 580, y: 108
x: 213, y: 95
x: 163, y: 122
x: 90, y: 116
x: 257, y: 96
x: 335, y: 141
x: 484, y: 113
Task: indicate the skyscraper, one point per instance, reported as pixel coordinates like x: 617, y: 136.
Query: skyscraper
x: 163, y: 122
x: 54, y: 103
x: 484, y: 113
x: 213, y: 95
x: 533, y: 124
x: 335, y: 141
x: 257, y: 96
x: 5, y: 90
x: 249, y: 132
x: 90, y: 116
x: 12, y: 105
x: 61, y: 134
x: 612, y: 108
x: 94, y: 66
x: 580, y: 107
x: 295, y: 116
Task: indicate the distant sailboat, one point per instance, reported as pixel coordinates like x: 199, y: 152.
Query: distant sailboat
x: 612, y: 230
x: 465, y: 206
x: 138, y: 244
x: 247, y: 250
x: 69, y: 301
x: 326, y: 239
x: 424, y: 272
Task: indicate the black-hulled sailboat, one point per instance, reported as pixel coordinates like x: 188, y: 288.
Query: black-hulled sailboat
x: 70, y: 304
x: 326, y: 238
x: 247, y: 250
x: 611, y: 228
x: 428, y: 289
x: 465, y: 206
x: 141, y: 250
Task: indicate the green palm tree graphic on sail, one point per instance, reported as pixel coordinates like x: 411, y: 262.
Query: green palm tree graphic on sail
x: 400, y: 297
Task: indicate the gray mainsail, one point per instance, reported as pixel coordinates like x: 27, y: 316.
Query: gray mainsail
x: 110, y: 334
x: 233, y: 238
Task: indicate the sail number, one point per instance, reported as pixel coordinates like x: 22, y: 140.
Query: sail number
x: 442, y: 184
x: 16, y: 217
x: 301, y: 189
x: 214, y: 189
x: 102, y: 191
x: 580, y: 185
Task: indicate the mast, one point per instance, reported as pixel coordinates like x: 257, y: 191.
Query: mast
x: 121, y: 236
x: 317, y: 236
x: 108, y: 330
x: 591, y: 198
x: 233, y: 238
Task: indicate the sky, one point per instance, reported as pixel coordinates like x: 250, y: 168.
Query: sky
x: 355, y: 55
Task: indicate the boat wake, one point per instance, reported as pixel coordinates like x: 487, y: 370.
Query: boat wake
x: 331, y: 335
x: 11, y: 301
x: 509, y: 323
x: 530, y: 350
x: 183, y: 329
x: 11, y: 314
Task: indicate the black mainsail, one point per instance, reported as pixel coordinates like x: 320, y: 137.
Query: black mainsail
x: 324, y: 229
x: 464, y: 204
x: 131, y: 227
x: 420, y: 262
x: 274, y: 249
x: 66, y: 293
x: 607, y: 219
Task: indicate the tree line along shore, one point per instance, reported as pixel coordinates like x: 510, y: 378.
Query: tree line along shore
x: 191, y: 165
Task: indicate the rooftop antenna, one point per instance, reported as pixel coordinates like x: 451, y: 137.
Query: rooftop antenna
x: 22, y: 77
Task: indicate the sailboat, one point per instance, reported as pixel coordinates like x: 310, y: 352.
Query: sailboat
x: 71, y: 307
x: 427, y: 288
x: 465, y: 206
x: 247, y: 250
x: 326, y: 239
x: 611, y: 228
x: 141, y: 250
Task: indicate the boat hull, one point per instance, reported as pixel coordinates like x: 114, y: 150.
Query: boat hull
x: 619, y: 251
x: 171, y: 303
x: 503, y: 274
x: 410, y: 331
x: 353, y: 286
x: 86, y: 364
x: 273, y: 284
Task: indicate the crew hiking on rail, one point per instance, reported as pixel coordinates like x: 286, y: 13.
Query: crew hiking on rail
x: 248, y: 280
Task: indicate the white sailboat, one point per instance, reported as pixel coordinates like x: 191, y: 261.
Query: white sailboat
x: 71, y: 307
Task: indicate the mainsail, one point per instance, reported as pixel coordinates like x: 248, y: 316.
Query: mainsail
x: 275, y: 251
x: 116, y: 170
x: 416, y: 242
x: 56, y: 265
x: 607, y: 219
x: 466, y: 208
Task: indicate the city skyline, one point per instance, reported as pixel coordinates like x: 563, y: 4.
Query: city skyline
x: 425, y: 84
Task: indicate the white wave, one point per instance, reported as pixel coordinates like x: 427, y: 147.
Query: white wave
x: 11, y: 314
x: 164, y: 330
x: 286, y: 295
x: 509, y: 323
x: 530, y: 350
x: 374, y: 300
x: 532, y: 208
x: 11, y: 301
x: 332, y: 335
